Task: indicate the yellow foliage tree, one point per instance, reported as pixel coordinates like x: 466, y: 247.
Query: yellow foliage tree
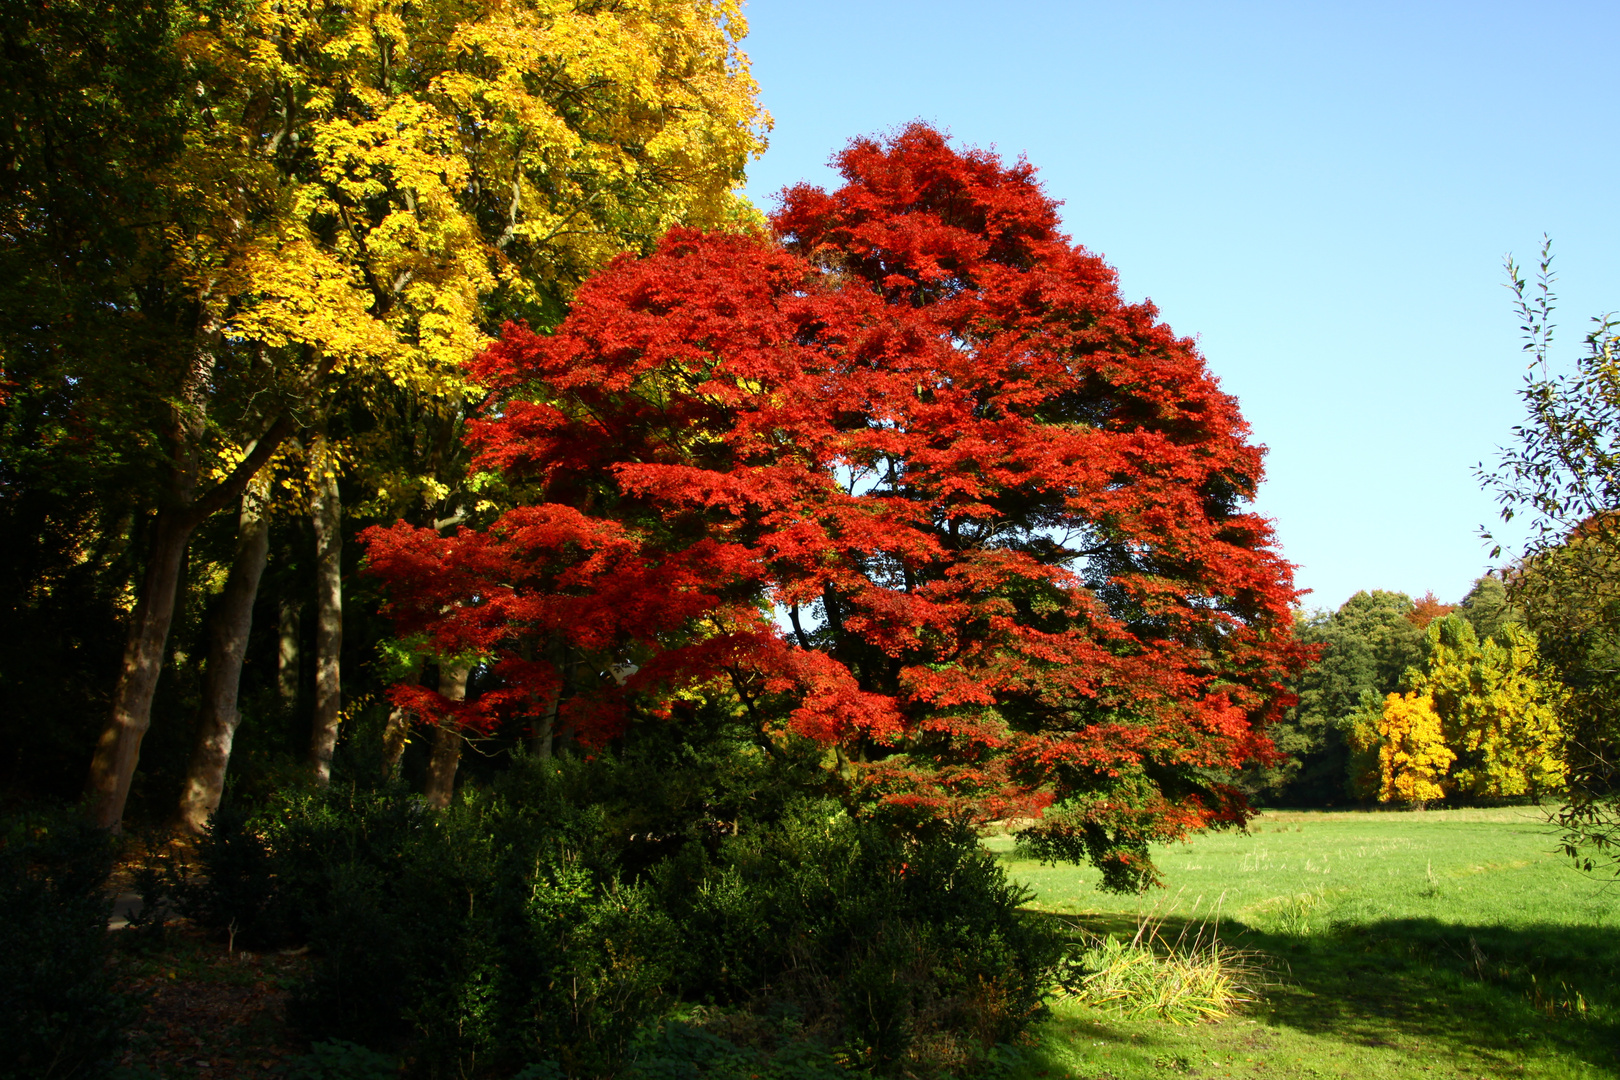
x: 1413, y: 757
x: 363, y: 191
x: 369, y: 174
x: 1498, y: 710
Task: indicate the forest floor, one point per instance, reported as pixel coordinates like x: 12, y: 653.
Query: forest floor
x: 205, y: 1009
x: 1449, y: 943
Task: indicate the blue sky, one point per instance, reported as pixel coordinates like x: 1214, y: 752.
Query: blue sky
x: 1322, y: 194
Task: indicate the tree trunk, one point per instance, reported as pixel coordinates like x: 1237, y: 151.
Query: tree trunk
x: 546, y: 726
x: 287, y: 653
x: 118, y: 750
x: 112, y: 769
x: 441, y: 774
x: 397, y: 732
x: 228, y: 629
x: 326, y: 511
x: 540, y: 742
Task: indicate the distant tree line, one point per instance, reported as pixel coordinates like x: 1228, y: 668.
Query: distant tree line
x: 1417, y: 700
x: 1514, y: 692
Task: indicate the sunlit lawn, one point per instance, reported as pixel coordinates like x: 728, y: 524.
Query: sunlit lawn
x: 1452, y: 943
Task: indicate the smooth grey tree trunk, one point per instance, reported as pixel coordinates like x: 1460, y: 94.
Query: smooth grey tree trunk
x: 118, y: 749
x: 228, y: 629
x: 326, y: 512
x: 545, y: 729
x: 447, y: 740
x: 540, y: 741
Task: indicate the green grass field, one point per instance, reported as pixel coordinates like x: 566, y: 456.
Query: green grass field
x: 1442, y: 943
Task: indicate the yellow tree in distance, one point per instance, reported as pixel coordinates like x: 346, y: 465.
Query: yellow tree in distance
x: 1412, y: 757
x: 1497, y: 711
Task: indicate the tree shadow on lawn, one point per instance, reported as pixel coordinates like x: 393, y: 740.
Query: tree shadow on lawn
x: 1501, y: 991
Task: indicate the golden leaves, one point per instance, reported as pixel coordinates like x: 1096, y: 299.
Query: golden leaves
x: 361, y: 179
x: 1413, y: 758
x: 1481, y: 720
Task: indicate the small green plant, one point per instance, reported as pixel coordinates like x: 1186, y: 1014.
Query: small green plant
x: 1562, y: 1002
x: 147, y: 926
x: 1148, y: 977
x: 339, y: 1060
x: 1431, y: 883
x: 1297, y: 914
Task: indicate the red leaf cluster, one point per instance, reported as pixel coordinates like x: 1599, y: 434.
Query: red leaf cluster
x: 1428, y: 608
x: 909, y: 478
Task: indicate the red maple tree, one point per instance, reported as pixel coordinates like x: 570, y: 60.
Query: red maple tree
x: 909, y: 479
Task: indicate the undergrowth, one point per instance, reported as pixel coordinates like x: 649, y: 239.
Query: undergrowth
x: 521, y: 926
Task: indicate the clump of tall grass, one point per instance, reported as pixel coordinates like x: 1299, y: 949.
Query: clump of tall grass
x: 1297, y: 915
x: 1188, y: 980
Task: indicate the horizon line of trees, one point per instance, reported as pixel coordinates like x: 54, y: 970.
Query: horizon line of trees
x: 1514, y: 692
x: 1413, y: 701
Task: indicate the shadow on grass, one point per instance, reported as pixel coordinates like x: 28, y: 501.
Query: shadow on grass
x: 1523, y: 989
x: 1492, y: 991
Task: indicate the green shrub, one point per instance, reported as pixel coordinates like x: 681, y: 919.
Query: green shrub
x: 470, y: 940
x: 238, y: 889
x: 59, y: 1013
x: 339, y: 1060
x: 527, y: 924
x: 680, y: 1051
x: 912, y: 953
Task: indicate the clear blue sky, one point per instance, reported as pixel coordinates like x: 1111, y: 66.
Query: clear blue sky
x: 1321, y: 193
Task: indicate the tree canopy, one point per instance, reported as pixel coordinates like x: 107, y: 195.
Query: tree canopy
x: 225, y: 224
x: 1498, y: 709
x: 911, y: 481
x: 1365, y: 649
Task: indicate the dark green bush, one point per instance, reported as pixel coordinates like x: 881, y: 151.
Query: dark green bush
x: 239, y: 890
x: 680, y: 1051
x: 548, y: 920
x: 59, y: 1013
x: 471, y: 940
x: 338, y: 1060
x: 911, y: 953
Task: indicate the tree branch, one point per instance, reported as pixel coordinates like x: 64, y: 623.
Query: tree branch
x: 230, y: 489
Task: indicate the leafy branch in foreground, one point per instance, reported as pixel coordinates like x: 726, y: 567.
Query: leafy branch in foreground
x: 1563, y: 470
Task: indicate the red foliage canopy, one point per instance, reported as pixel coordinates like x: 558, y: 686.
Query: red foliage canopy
x: 1000, y: 509
x: 1426, y: 609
